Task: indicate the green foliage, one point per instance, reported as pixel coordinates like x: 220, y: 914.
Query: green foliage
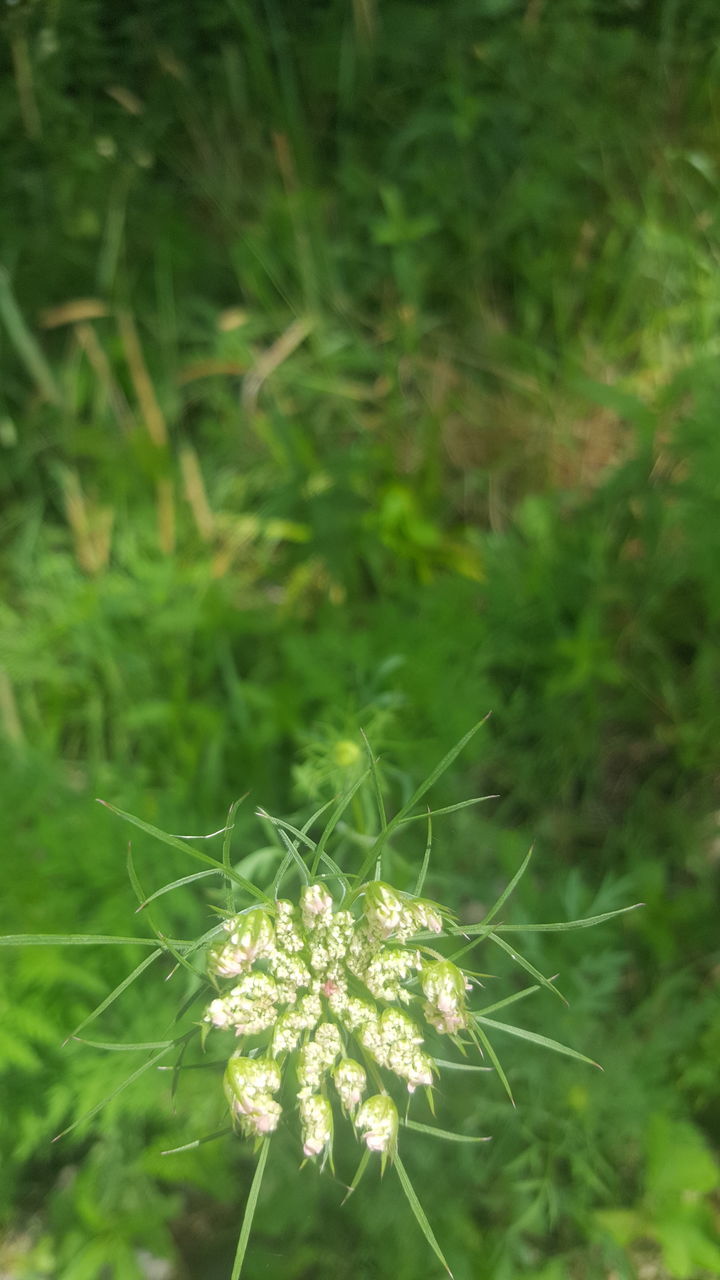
x: 359, y: 373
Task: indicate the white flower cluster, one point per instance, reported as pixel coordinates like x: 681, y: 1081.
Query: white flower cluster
x: 315, y: 978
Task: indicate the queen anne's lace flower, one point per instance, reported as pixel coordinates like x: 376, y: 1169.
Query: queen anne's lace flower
x: 310, y: 983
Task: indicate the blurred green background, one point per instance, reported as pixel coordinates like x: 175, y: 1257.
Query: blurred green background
x: 360, y: 370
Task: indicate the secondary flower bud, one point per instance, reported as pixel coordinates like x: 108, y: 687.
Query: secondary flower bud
x: 317, y: 1124
x: 445, y: 986
x: 316, y: 905
x: 384, y: 910
x: 251, y: 935
x: 350, y: 1081
x: 248, y: 1084
x: 378, y: 1117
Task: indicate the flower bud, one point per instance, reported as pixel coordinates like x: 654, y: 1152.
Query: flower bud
x: 317, y: 1124
x: 248, y: 1084
x: 350, y: 1081
x: 426, y: 916
x: 251, y: 936
x: 316, y: 905
x: 384, y: 910
x: 379, y: 1118
x: 445, y: 986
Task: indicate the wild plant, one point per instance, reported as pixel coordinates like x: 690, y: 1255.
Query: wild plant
x: 331, y: 1005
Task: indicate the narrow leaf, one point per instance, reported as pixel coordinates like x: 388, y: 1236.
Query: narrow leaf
x: 113, y: 996
x: 586, y: 923
x: 376, y: 782
x: 458, y: 1066
x: 227, y: 842
x: 187, y: 849
x: 125, y: 1048
x: 527, y: 966
x: 419, y: 1212
x: 120, y: 1088
x: 199, y: 1142
x: 448, y: 808
x: 534, y: 1038
x: 441, y: 1133
x: 334, y: 818
x: 178, y: 884
x: 70, y: 940
x: 509, y: 887
x: 493, y: 1058
x: 500, y: 1004
x: 364, y: 1160
x: 250, y: 1210
x: 415, y: 798
x: 426, y: 859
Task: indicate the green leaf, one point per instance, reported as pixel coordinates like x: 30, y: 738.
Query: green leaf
x: 70, y: 940
x: 425, y: 786
x: 120, y: 1088
x: 140, y: 895
x: 527, y: 966
x: 448, y: 808
x: 500, y: 1004
x: 534, y: 1038
x: 419, y: 1212
x: 364, y: 1161
x: 117, y: 991
x: 198, y: 1142
x: 125, y: 1048
x: 334, y: 818
x: 426, y: 859
x: 446, y: 1065
x: 376, y: 782
x: 250, y: 1210
x: 178, y: 884
x: 509, y: 887
x: 441, y: 1133
x: 227, y: 842
x: 487, y: 1046
x: 176, y: 843
x: 563, y: 925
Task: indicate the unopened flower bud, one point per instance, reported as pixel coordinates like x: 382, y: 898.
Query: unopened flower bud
x: 378, y: 1117
x: 316, y: 905
x: 248, y: 1084
x: 251, y: 935
x: 426, y: 916
x: 445, y: 986
x: 317, y: 1124
x: 384, y: 910
x: 350, y: 1081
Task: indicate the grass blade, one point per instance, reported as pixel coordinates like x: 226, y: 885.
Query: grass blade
x: 534, y: 1038
x: 250, y: 1210
x: 125, y: 1048
x: 419, y: 1212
